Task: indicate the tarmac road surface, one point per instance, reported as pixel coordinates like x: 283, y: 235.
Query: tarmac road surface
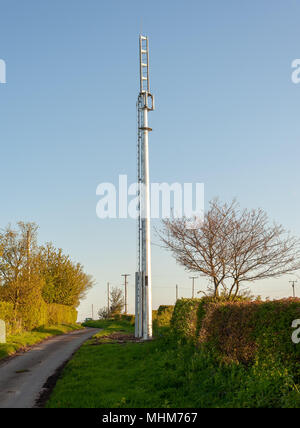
x: 23, y: 376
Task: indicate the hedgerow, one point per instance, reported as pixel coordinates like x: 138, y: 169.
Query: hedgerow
x: 162, y: 318
x: 184, y: 322
x: 123, y: 317
x: 7, y: 315
x: 188, y: 315
x: 38, y: 314
x: 61, y: 314
x: 242, y: 331
x: 227, y: 328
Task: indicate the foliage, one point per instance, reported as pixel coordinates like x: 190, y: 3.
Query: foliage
x: 41, y: 284
x: 184, y: 321
x: 129, y: 318
x: 243, y: 331
x: 6, y: 311
x: 18, y: 250
x: 32, y: 312
x: 273, y: 330
x: 162, y: 318
x: 65, y: 281
x: 226, y: 327
x: 60, y: 314
x: 7, y: 315
x: 163, y: 309
x: 32, y: 316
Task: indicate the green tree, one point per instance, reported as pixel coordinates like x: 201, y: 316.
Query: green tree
x: 20, y: 281
x: 66, y: 282
x: 18, y: 249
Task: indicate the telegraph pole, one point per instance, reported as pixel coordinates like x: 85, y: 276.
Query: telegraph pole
x: 108, y: 298
x: 293, y: 285
x: 176, y: 292
x: 28, y: 245
x: 193, y: 286
x: 125, y: 284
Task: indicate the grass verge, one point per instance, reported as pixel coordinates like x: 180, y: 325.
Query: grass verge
x: 110, y: 326
x: 163, y: 374
x: 22, y: 341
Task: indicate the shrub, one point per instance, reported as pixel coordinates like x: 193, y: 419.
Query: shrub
x: 184, y: 322
x: 6, y: 311
x: 33, y: 312
x: 188, y: 315
x: 245, y: 331
x: 162, y: 318
x: 227, y: 328
x: 31, y: 316
x: 164, y: 308
x: 129, y: 318
x: 7, y: 315
x: 272, y: 329
x: 61, y: 314
x: 241, y: 331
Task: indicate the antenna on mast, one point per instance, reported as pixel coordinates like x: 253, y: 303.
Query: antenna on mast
x: 143, y: 283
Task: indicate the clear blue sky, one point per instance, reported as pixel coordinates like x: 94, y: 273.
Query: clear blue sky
x: 227, y: 115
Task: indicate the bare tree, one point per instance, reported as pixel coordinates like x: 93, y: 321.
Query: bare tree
x: 232, y: 246
x: 103, y: 313
x: 116, y: 301
x: 116, y: 304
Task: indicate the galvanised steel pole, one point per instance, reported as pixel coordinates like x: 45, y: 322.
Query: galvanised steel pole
x: 146, y: 226
x: 144, y: 280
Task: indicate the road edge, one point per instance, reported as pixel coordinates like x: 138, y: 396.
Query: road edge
x: 51, y: 382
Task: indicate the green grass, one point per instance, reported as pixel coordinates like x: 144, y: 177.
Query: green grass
x: 110, y: 326
x: 161, y: 373
x: 23, y: 340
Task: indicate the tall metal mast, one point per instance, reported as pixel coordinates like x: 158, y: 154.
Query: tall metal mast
x: 145, y: 103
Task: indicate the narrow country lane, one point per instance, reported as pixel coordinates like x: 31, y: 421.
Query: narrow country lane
x: 22, y: 377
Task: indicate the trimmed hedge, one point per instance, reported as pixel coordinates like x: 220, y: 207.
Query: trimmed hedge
x: 129, y: 318
x: 124, y: 317
x: 165, y: 308
x: 61, y: 314
x: 35, y: 315
x: 242, y: 331
x: 163, y: 316
x: 6, y: 311
x: 184, y: 322
x: 228, y: 329
x: 7, y: 315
